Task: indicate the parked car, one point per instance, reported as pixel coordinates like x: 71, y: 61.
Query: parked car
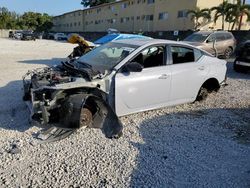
x: 242, y: 61
x: 60, y: 36
x: 11, y: 34
x: 116, y: 79
x: 49, y: 36
x: 18, y: 35
x: 118, y: 36
x: 28, y: 35
x: 219, y: 43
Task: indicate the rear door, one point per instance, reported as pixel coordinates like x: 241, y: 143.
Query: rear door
x: 148, y: 89
x: 188, y: 73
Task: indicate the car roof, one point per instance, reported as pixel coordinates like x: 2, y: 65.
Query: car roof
x: 118, y: 36
x: 141, y: 42
x: 210, y: 32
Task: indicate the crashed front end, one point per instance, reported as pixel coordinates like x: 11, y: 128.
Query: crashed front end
x: 62, y: 102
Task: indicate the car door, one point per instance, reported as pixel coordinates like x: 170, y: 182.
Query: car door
x: 188, y: 73
x: 220, y: 43
x: 148, y: 89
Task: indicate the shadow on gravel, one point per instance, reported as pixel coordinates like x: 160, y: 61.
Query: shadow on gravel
x: 14, y: 114
x: 231, y: 73
x: 48, y: 62
x: 206, y: 148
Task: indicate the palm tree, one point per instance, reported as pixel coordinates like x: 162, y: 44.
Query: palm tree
x: 237, y: 11
x: 221, y: 11
x: 197, y: 14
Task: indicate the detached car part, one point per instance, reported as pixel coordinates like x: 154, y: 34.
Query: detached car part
x: 83, y: 47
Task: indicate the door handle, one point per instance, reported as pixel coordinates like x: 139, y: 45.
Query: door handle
x: 163, y: 76
x: 201, y: 68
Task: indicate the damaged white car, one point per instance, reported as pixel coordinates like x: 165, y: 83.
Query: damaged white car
x: 117, y: 79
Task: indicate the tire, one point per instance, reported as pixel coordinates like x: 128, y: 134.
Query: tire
x: 202, y: 95
x: 228, y: 52
x: 237, y: 69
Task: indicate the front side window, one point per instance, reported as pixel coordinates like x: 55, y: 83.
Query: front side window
x: 182, y: 55
x: 151, y: 57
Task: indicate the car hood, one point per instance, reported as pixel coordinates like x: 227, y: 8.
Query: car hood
x: 64, y: 73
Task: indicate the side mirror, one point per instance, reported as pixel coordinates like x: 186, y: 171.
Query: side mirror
x: 133, y: 67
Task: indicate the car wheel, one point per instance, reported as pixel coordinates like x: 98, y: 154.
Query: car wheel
x: 228, y: 52
x: 202, y: 95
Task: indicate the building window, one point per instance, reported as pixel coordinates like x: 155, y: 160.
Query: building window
x: 182, y: 14
x: 112, y: 8
x: 98, y: 10
x: 138, y: 17
x: 149, y: 17
x: 122, y: 20
x: 151, y: 1
x: 124, y: 5
x: 79, y: 23
x: 163, y: 16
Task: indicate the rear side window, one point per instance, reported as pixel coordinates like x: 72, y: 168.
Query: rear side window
x: 228, y: 36
x: 220, y: 36
x: 182, y: 55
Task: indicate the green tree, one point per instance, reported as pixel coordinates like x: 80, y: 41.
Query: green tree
x: 197, y: 14
x: 236, y: 12
x: 5, y: 18
x: 221, y: 11
x: 92, y: 3
x: 37, y: 21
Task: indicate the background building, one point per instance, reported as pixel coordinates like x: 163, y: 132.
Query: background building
x: 137, y: 16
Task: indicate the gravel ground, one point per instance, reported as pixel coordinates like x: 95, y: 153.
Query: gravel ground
x: 205, y: 144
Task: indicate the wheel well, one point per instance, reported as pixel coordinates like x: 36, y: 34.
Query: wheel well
x: 211, y: 84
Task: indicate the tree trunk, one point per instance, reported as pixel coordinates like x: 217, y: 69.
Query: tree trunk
x: 233, y: 25
x: 223, y: 21
x: 241, y: 17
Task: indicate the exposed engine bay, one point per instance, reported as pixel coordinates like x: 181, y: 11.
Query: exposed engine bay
x: 65, y: 98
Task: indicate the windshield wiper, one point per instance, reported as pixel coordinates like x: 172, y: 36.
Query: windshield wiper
x: 88, y: 66
x: 85, y: 64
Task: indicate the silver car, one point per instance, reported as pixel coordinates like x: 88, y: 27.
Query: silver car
x: 117, y: 79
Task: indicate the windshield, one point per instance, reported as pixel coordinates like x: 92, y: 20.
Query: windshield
x: 197, y: 37
x: 107, y: 56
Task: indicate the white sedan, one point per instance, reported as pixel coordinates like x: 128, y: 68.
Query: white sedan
x: 121, y: 78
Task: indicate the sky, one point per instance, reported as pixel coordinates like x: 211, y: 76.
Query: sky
x: 52, y: 7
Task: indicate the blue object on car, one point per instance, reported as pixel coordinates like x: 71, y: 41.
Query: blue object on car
x: 118, y: 36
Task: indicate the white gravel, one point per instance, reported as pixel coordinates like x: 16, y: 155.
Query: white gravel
x: 204, y: 144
